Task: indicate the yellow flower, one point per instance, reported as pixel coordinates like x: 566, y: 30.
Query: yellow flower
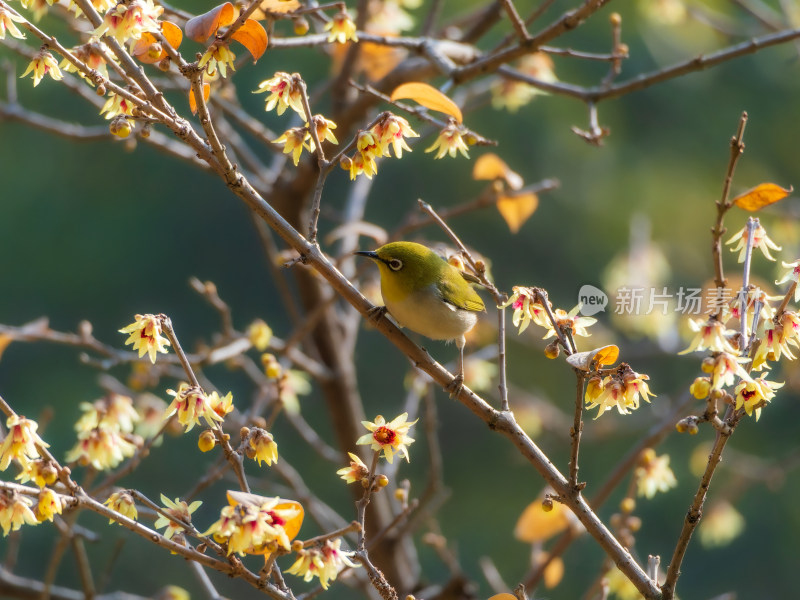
x: 260, y: 335
x: 41, y: 471
x: 754, y: 394
x: 115, y: 411
x: 116, y: 105
x: 293, y: 141
x: 450, y: 141
x: 357, y: 470
x: 49, y: 505
x: 20, y: 442
x: 178, y: 510
x: 711, y: 335
x: 653, y: 474
x: 526, y: 310
x: 15, y: 511
x: 128, y: 20
x: 7, y: 20
x: 43, y: 64
x: 251, y: 528
x: 392, y: 131
x: 720, y: 525
x: 726, y: 368
x: 621, y: 586
x: 263, y: 447
x: 323, y: 562
x: 191, y: 404
x: 792, y: 275
x: 103, y: 447
x: 122, y: 502
x: 773, y: 345
x: 388, y: 437
x: 291, y: 384
x: 324, y: 130
x: 341, y: 28
x: 621, y: 389
x: 570, y: 321
x: 217, y: 57
x: 151, y: 409
x: 146, y: 336
x: 284, y: 92
x: 760, y: 241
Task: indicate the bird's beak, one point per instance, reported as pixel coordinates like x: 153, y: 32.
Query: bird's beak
x: 368, y: 253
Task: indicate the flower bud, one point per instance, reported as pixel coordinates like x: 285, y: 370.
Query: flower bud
x: 628, y: 505
x: 301, y: 26
x: 206, y: 441
x: 615, y: 19
x: 547, y: 504
x: 297, y: 546
x: 552, y: 350
x: 381, y: 481
x: 154, y: 51
x: 700, y: 388
x: 707, y: 366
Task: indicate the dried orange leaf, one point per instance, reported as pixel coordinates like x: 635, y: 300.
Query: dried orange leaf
x: 503, y: 596
x: 429, y: 97
x: 761, y: 196
x: 252, y: 36
x: 5, y: 340
x: 490, y: 166
x: 536, y: 525
x: 607, y: 355
x: 142, y: 49
x: 193, y: 100
x: 554, y: 573
x: 591, y: 359
x: 274, y: 6
x: 517, y: 209
x: 172, y: 33
x: 202, y: 27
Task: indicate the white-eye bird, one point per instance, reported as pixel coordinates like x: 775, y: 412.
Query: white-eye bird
x: 428, y: 295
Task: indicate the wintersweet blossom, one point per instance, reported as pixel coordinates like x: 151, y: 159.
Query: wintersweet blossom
x: 222, y: 405
x: 41, y: 471
x: 720, y: 525
x: 263, y: 447
x: 116, y: 105
x: 145, y: 335
x: 753, y: 395
x: 260, y: 334
x: 774, y: 344
x: 358, y: 165
x: 20, y: 442
x: 790, y: 322
x: 284, y: 92
x: 450, y: 141
x: 653, y: 474
x: 293, y: 141
x: 760, y: 241
x: 570, y: 321
x: 48, y: 506
x: 726, y: 368
x: 323, y: 562
x: 103, y: 447
x: 115, y: 411
x: 129, y: 19
x: 621, y: 389
x: 392, y: 131
x: 15, y: 511
x: 526, y: 309
x: 711, y: 335
x: 341, y: 28
x: 791, y: 275
x: 252, y: 528
x: 7, y: 20
x: 357, y: 470
x: 122, y: 502
x: 388, y: 437
x: 43, y: 64
x: 324, y: 129
x: 190, y: 403
x: 177, y: 509
x: 218, y: 56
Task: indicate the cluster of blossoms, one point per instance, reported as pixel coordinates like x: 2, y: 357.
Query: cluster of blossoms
x: 323, y: 562
x: 294, y: 140
x: 145, y: 335
x: 43, y: 63
x: 129, y: 19
x: 105, y: 433
x: 257, y: 527
x: 622, y: 388
x: 388, y: 133
x: 511, y: 94
x: 191, y: 404
x: 725, y: 367
x: 528, y: 309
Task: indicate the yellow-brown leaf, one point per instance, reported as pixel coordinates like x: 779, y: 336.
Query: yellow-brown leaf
x: 202, y: 27
x: 761, y: 196
x: 554, y: 573
x: 5, y: 340
x: 274, y: 6
x: 536, y: 525
x: 517, y: 209
x: 193, y: 100
x: 429, y: 97
x: 252, y: 36
x: 172, y: 33
x: 503, y: 596
x: 490, y: 166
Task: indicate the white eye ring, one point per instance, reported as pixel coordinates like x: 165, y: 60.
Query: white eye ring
x: 395, y: 264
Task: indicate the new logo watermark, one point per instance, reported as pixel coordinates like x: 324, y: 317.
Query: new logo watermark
x: 592, y: 300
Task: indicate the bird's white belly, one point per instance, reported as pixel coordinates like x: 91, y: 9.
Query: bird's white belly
x: 425, y: 313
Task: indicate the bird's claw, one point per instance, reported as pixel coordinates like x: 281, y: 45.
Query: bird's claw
x: 454, y: 387
x: 376, y: 313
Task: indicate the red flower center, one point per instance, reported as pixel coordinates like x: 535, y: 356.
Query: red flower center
x: 384, y: 435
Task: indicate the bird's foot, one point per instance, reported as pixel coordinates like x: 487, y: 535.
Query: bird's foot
x: 454, y: 387
x: 376, y: 313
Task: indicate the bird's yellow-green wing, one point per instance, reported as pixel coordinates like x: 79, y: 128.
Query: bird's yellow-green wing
x: 460, y: 294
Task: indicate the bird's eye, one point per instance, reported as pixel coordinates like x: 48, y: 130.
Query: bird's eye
x: 395, y: 264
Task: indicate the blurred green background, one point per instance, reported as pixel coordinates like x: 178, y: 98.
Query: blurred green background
x: 98, y: 231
